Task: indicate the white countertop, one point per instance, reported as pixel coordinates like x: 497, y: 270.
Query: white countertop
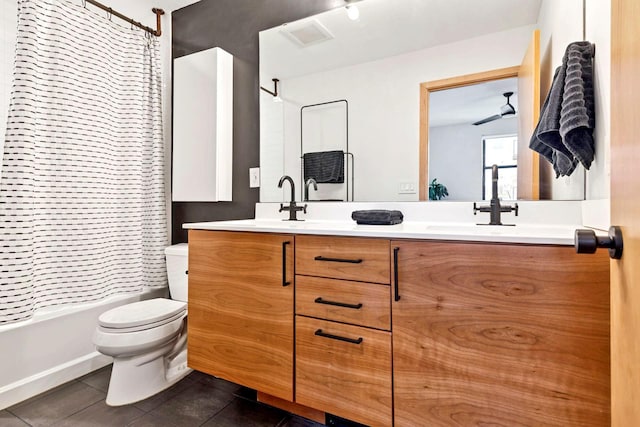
x: 521, y: 233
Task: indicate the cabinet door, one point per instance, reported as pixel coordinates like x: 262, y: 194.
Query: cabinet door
x: 240, y: 324
x: 494, y: 334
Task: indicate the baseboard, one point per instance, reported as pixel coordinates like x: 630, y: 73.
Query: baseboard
x: 294, y: 408
x: 28, y: 387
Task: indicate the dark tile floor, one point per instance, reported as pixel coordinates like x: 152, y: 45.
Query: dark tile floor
x: 197, y: 400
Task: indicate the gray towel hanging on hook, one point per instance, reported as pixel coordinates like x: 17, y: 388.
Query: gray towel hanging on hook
x: 564, y: 134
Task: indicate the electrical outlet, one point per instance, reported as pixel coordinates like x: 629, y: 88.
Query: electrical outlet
x: 254, y: 177
x: 407, y: 188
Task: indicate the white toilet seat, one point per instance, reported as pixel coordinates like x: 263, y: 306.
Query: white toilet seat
x: 135, y: 328
x: 141, y: 314
x: 141, y: 327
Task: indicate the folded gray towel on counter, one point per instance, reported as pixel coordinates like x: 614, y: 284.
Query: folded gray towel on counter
x: 377, y: 217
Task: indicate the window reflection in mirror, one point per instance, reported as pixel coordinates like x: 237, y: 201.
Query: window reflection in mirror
x: 503, y: 152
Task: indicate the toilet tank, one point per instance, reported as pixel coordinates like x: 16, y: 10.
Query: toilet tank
x: 177, y: 266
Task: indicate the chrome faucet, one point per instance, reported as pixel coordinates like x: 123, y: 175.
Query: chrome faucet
x: 495, y: 208
x: 293, y: 208
x: 306, y: 188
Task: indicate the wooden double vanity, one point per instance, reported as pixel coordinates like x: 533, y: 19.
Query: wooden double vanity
x: 404, y: 332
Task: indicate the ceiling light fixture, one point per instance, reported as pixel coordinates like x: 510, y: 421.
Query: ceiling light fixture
x: 352, y: 12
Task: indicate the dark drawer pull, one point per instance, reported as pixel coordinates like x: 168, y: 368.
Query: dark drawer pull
x: 319, y: 300
x: 285, y: 282
x: 337, y: 337
x: 396, y: 285
x: 350, y: 261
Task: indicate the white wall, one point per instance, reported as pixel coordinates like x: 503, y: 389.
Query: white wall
x: 271, y: 148
x: 556, y: 32
x: 384, y: 107
x: 598, y: 31
x: 458, y: 149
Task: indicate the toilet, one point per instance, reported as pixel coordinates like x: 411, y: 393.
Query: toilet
x: 147, y: 339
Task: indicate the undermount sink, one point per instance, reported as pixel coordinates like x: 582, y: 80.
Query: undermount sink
x: 469, y: 229
x: 498, y: 230
x: 284, y: 223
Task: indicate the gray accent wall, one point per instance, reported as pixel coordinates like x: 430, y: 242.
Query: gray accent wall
x: 234, y: 25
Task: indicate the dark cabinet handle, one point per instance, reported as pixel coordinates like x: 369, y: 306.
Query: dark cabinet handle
x: 350, y: 261
x: 284, y: 264
x: 337, y: 337
x: 186, y: 272
x: 319, y: 300
x: 395, y: 274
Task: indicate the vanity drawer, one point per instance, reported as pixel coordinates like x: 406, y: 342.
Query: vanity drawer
x: 350, y: 258
x: 348, y: 379
x: 364, y: 304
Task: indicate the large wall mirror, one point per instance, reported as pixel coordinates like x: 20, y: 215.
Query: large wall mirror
x: 398, y: 143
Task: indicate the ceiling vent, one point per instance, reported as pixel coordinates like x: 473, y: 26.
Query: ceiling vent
x: 306, y: 33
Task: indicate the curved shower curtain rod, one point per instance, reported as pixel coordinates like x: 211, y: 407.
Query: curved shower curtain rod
x: 158, y: 12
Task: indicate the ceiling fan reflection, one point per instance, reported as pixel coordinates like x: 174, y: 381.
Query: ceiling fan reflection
x: 505, y: 110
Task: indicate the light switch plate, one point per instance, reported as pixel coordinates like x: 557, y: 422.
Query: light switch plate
x: 254, y: 177
x: 406, y: 188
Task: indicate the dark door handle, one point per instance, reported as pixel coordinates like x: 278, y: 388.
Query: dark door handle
x: 396, y: 284
x: 319, y: 300
x: 350, y: 261
x: 586, y: 242
x: 284, y: 264
x: 338, y: 337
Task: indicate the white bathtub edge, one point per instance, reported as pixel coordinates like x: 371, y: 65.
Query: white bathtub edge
x: 28, y: 387
x: 54, y: 348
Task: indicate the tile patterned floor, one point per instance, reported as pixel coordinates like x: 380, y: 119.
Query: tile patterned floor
x: 197, y: 400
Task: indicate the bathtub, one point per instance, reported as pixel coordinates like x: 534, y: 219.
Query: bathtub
x: 53, y: 347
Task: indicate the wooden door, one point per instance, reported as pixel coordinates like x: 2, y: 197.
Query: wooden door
x: 625, y: 212
x: 240, y: 324
x: 496, y: 334
x: 528, y: 115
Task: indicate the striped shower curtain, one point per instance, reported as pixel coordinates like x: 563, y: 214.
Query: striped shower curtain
x: 82, y: 208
